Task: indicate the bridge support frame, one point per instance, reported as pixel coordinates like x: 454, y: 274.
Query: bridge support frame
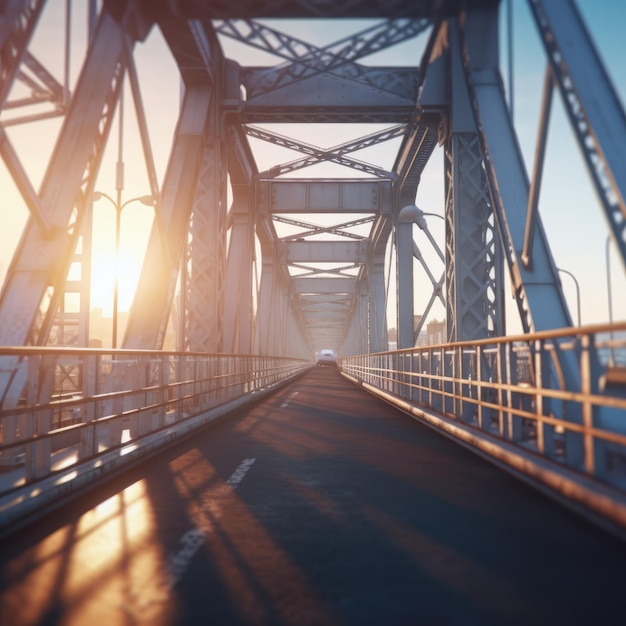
x: 207, y: 254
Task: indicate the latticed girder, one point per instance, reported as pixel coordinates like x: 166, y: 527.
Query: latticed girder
x: 474, y: 265
x: 320, y: 155
x: 308, y: 61
x: 207, y: 255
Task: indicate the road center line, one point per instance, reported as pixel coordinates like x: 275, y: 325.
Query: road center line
x: 191, y: 541
x: 240, y: 472
x: 286, y: 402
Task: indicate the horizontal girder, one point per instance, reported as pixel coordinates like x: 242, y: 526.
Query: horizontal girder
x: 224, y: 9
x: 324, y: 251
x: 324, y: 196
x: 323, y: 285
x: 376, y: 86
x: 314, y: 114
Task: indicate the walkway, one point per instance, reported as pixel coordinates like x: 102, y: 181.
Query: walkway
x: 321, y: 505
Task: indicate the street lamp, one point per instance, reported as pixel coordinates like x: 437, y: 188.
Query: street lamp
x: 413, y: 213
x: 407, y: 250
x: 148, y: 201
x: 577, y: 291
x: 609, y: 295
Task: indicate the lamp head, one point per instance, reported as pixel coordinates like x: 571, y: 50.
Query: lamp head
x: 148, y: 200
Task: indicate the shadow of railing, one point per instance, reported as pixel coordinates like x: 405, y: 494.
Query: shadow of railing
x: 79, y: 415
x: 549, y: 406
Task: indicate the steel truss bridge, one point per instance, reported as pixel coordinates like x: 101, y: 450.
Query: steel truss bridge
x: 256, y: 268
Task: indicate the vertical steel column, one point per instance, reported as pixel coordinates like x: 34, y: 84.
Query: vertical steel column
x: 358, y: 333
x: 377, y: 313
x: 207, y: 245
x: 283, y: 319
x: 475, y: 294
x: 293, y: 341
x: 238, y: 287
x: 265, y: 330
x: 404, y: 279
x: 207, y: 263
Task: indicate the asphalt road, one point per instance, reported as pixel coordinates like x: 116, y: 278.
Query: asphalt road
x: 321, y: 505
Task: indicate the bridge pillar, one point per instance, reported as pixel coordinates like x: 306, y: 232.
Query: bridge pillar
x: 404, y: 281
x: 356, y: 338
x: 377, y: 313
x: 207, y: 254
x: 295, y: 344
x: 474, y: 274
x: 238, y: 287
x: 267, y: 328
x: 283, y: 321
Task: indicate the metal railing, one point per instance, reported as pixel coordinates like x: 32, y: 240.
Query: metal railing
x: 550, y: 405
x: 69, y: 416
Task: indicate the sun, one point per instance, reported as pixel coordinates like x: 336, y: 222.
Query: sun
x: 104, y: 271
x: 107, y: 265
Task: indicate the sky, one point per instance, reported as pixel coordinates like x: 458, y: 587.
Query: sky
x: 570, y: 211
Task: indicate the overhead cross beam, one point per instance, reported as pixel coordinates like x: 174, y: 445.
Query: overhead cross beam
x: 353, y: 9
x: 307, y: 60
x: 317, y: 271
x: 317, y: 155
x: 317, y: 230
x: 335, y: 154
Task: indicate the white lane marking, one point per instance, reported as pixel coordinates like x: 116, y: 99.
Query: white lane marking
x: 286, y: 402
x: 191, y: 542
x: 194, y: 538
x: 240, y: 472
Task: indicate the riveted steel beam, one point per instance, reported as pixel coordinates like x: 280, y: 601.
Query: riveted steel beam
x: 226, y: 9
x: 324, y: 251
x: 324, y: 196
x: 323, y: 285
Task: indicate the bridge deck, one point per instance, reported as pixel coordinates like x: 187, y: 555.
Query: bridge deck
x: 321, y: 505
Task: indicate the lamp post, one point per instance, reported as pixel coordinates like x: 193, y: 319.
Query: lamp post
x: 407, y: 249
x: 148, y: 201
x: 609, y: 292
x: 577, y: 291
x: 422, y: 223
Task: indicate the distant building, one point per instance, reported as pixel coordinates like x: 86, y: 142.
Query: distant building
x: 436, y: 332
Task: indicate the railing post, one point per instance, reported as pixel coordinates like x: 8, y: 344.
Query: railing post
x: 39, y: 453
x: 479, y: 388
x: 467, y: 374
x: 91, y: 369
x: 587, y: 408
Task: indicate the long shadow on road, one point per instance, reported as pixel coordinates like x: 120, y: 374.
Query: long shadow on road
x: 320, y: 505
